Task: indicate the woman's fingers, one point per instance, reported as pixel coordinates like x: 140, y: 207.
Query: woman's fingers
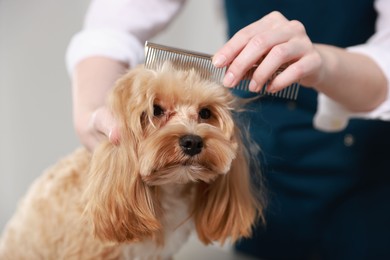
x: 235, y: 45
x: 257, y: 47
x: 270, y: 43
x: 277, y: 58
x: 301, y: 71
x: 104, y: 125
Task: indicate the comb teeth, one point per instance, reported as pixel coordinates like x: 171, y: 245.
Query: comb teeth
x: 156, y: 55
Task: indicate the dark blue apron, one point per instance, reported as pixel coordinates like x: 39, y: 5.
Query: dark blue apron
x: 329, y: 193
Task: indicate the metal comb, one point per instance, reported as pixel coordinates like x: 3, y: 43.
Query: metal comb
x: 157, y: 54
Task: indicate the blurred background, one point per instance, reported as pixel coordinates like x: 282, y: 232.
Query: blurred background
x: 35, y: 92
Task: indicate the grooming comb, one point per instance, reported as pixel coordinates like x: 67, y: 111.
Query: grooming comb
x: 157, y: 54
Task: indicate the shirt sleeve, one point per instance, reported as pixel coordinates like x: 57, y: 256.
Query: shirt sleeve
x: 332, y: 116
x: 118, y: 29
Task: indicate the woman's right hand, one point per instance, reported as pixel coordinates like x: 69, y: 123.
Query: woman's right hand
x: 93, y: 79
x: 277, y: 42
x: 98, y: 126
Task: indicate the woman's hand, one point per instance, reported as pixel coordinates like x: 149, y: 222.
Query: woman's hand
x: 92, y: 81
x: 352, y: 79
x: 98, y: 126
x: 270, y: 43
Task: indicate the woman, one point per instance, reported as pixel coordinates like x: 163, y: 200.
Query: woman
x: 327, y: 191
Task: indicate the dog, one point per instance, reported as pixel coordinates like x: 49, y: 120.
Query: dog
x: 180, y: 166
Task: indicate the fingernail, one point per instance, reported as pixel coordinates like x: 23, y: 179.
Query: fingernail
x: 219, y: 60
x: 252, y: 85
x: 271, y: 90
x: 228, y: 80
x: 110, y: 136
x: 113, y: 138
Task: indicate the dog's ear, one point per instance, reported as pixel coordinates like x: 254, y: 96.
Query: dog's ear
x: 229, y: 206
x: 119, y: 204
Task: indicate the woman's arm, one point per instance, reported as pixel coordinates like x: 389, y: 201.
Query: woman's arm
x: 110, y: 42
x: 351, y: 82
x: 93, y: 78
x: 334, y: 116
x: 352, y: 79
x: 276, y: 41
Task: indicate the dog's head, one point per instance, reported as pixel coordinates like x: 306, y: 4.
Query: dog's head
x: 176, y: 128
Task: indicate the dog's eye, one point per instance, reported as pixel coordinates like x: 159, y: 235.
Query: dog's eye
x: 157, y: 110
x: 205, y: 113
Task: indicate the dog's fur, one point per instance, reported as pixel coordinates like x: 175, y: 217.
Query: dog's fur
x: 141, y: 198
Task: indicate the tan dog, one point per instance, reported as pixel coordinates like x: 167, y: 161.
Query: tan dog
x: 180, y: 165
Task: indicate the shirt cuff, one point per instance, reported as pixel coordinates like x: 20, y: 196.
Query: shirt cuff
x: 330, y: 115
x: 103, y: 42
x: 333, y: 117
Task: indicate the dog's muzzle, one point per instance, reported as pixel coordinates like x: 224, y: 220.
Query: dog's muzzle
x: 191, y: 144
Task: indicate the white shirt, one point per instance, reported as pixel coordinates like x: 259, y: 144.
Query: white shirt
x: 118, y: 29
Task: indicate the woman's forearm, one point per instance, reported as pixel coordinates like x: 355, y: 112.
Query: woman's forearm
x: 352, y: 79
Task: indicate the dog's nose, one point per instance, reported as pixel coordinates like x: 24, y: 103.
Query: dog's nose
x: 191, y: 144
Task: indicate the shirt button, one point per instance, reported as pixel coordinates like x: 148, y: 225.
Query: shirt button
x: 349, y: 140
